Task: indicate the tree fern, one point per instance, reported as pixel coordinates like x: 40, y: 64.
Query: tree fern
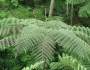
x: 38, y: 40
x: 41, y: 37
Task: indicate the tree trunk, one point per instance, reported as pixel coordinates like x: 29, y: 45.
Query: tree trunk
x: 51, y: 8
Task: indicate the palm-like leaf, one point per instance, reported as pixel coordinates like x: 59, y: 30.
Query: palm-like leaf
x: 67, y: 62
x: 8, y: 41
x: 85, y: 10
x: 82, y: 32
x: 9, y: 28
x: 71, y: 43
x: 38, y: 40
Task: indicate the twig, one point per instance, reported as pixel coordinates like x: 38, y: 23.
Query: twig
x: 56, y: 21
x: 46, y: 17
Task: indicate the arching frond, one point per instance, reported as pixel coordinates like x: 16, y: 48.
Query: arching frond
x: 8, y: 41
x: 29, y: 37
x: 45, y: 51
x: 85, y: 10
x: 9, y: 21
x: 37, y: 39
x: 67, y: 62
x: 72, y: 44
x: 10, y: 30
x: 82, y: 32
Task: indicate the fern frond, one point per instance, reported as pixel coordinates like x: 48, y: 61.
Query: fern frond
x: 10, y: 30
x: 72, y: 44
x: 49, y: 24
x: 82, y: 32
x: 37, y: 39
x: 37, y: 64
x: 85, y: 10
x: 9, y: 21
x: 29, y: 37
x: 57, y: 24
x: 67, y: 62
x: 8, y: 41
x: 45, y: 51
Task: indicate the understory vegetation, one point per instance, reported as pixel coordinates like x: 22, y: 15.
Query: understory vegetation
x: 31, y: 40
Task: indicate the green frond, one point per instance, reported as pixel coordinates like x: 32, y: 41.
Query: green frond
x: 37, y: 39
x: 82, y: 32
x: 72, y: 39
x: 67, y: 62
x: 10, y: 29
x: 7, y: 41
x: 35, y: 66
x: 32, y: 21
x: 72, y: 44
x: 9, y: 21
x: 57, y: 24
x: 85, y: 10
x: 45, y: 51
x: 29, y: 37
x: 47, y: 24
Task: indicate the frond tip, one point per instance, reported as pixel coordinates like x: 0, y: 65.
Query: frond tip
x: 37, y: 64
x: 72, y: 44
x: 67, y: 62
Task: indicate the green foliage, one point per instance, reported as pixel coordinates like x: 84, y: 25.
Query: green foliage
x: 43, y: 40
x: 8, y: 61
x: 76, y: 1
x: 38, y: 13
x: 22, y: 12
x: 14, y: 3
x: 59, y: 7
x: 67, y: 62
x: 37, y: 64
x: 40, y: 39
x: 84, y: 11
x: 3, y: 14
x: 9, y: 28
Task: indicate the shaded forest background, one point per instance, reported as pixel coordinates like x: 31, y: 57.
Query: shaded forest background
x: 25, y: 8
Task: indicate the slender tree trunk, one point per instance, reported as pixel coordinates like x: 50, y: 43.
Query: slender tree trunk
x: 51, y: 8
